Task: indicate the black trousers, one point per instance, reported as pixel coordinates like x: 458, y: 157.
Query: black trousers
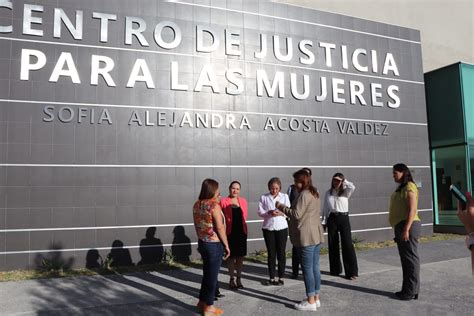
x: 409, y: 257
x: 339, y: 225
x: 275, y: 240
x: 295, y: 261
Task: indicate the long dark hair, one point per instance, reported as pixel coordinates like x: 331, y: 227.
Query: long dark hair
x: 340, y: 191
x: 209, y: 188
x: 407, y: 177
x: 302, y: 176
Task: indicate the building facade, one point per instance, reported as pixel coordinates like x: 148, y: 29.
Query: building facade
x: 450, y: 101
x: 111, y: 115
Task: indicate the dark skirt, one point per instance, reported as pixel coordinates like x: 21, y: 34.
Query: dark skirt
x: 237, y: 238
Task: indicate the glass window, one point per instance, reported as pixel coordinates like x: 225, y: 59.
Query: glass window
x: 471, y: 154
x: 449, y: 167
x: 445, y: 108
x: 467, y: 76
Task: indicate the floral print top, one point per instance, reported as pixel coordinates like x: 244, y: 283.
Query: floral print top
x: 202, y: 212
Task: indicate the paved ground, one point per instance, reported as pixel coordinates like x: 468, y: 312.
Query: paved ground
x: 447, y: 289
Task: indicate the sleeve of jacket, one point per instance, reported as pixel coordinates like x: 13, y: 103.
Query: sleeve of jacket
x: 261, y: 211
x: 286, y: 200
x: 325, y: 214
x: 349, y: 188
x: 297, y: 211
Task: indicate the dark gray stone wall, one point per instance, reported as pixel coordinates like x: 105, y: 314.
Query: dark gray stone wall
x: 73, y: 187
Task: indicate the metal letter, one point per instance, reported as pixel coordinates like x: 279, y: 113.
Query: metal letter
x: 355, y: 59
x: 140, y: 66
x: 104, y: 72
x: 396, y: 99
x: 29, y: 19
x: 104, y: 24
x: 232, y: 78
x: 356, y: 89
x: 390, y: 65
x: 294, y: 88
x: 49, y: 111
x: 230, y: 43
x: 130, y: 31
x: 263, y: 82
x: 177, y: 35
x: 207, y: 78
x: 376, y: 94
x: 175, y: 85
x: 263, y: 47
x: 8, y: 5
x: 375, y: 65
x: 327, y: 48
x: 345, y: 63
x: 302, y: 46
x: 26, y: 66
x: 336, y: 90
x: 71, y: 71
x: 324, y: 90
x: 289, y: 48
x: 76, y: 31
x: 62, y: 112
x: 199, y: 39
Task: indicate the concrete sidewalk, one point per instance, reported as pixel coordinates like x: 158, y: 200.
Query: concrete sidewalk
x: 447, y: 288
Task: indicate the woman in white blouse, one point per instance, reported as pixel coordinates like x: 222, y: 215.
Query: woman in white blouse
x: 336, y: 220
x: 275, y: 229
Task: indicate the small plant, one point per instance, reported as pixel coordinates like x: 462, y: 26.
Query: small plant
x: 107, y: 263
x: 168, y: 258
x: 324, y: 251
x: 52, y: 266
x: 357, y: 241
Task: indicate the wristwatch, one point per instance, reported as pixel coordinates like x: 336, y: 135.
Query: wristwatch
x: 470, y: 241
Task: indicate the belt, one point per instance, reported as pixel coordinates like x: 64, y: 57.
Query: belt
x: 339, y: 213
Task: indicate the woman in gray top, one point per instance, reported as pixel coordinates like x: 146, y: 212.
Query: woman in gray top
x: 307, y: 234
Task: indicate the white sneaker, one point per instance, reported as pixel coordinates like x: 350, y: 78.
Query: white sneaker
x: 318, y: 303
x: 305, y: 306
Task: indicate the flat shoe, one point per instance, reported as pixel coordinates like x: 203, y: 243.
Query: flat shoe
x: 239, y: 283
x: 215, y: 311
x: 268, y: 282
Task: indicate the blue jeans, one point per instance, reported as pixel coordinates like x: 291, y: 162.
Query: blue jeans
x: 310, y: 266
x: 211, y: 253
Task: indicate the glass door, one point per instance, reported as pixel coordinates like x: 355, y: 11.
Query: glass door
x: 449, y: 167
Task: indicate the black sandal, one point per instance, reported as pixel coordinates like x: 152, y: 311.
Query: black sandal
x: 280, y: 282
x: 268, y: 282
x: 239, y: 283
x: 218, y: 294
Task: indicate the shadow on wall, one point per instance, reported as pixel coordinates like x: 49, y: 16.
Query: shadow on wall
x: 94, y: 259
x: 181, y: 246
x: 119, y: 256
x: 151, y: 251
x: 53, y: 260
x: 151, y: 248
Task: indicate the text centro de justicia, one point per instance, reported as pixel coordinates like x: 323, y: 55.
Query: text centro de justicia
x: 168, y: 36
